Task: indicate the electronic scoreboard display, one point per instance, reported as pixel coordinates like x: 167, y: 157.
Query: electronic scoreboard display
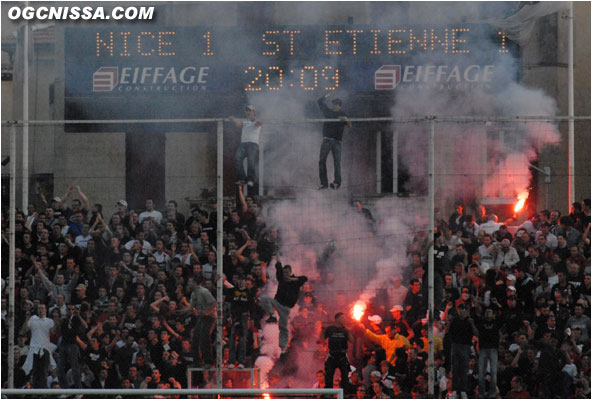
x: 140, y: 64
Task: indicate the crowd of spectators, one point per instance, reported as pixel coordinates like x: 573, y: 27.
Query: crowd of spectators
x: 512, y: 308
x: 126, y: 294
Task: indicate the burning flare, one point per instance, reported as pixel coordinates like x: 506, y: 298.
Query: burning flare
x: 358, y: 310
x: 521, y: 200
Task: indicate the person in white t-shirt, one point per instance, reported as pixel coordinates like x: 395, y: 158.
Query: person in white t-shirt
x: 248, y: 148
x: 82, y: 239
x: 150, y: 212
x: 40, y: 358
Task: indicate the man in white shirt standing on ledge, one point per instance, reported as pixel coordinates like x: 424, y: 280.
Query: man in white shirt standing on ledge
x: 39, y: 358
x: 249, y: 147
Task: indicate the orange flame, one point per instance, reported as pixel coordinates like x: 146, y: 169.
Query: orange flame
x: 519, y: 205
x: 358, y: 310
x: 521, y: 200
x: 266, y: 396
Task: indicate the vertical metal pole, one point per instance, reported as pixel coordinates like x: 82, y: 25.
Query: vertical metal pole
x: 25, y: 182
x: 395, y: 161
x: 219, y: 247
x: 431, y: 371
x: 570, y: 106
x: 502, y: 145
x: 547, y: 196
x: 11, y: 260
x: 547, y: 184
x: 378, y: 162
x: 261, y: 166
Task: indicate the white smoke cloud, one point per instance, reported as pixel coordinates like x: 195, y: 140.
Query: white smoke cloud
x: 471, y: 160
x: 475, y: 159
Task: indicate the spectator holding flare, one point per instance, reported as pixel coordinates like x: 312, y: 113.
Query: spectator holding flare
x: 390, y: 342
x: 338, y: 337
x: 103, y: 346
x: 248, y: 148
x: 332, y: 135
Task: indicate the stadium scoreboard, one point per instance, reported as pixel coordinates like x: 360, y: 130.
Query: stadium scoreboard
x: 180, y: 61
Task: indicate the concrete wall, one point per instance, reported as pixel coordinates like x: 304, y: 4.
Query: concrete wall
x: 96, y: 162
x: 546, y: 66
x: 582, y: 97
x: 41, y: 138
x: 190, y: 160
x: 6, y: 102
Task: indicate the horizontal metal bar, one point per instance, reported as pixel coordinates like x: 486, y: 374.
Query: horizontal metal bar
x: 199, y: 120
x: 521, y: 118
x: 459, y: 118
x: 51, y: 392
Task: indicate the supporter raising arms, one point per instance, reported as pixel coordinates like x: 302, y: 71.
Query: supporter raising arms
x: 248, y: 147
x: 285, y: 298
x: 128, y: 280
x: 332, y: 135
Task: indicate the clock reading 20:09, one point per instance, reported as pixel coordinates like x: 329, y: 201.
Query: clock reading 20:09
x: 307, y: 78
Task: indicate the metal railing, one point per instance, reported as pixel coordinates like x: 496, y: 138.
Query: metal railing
x: 235, y: 393
x: 431, y: 120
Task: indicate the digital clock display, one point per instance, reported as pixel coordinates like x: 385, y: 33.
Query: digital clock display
x: 307, y: 77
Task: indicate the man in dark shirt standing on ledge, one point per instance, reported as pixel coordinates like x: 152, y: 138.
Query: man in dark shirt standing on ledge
x: 461, y: 331
x: 488, y: 344
x: 71, y: 328
x: 332, y: 134
x: 338, y: 336
x: 285, y: 298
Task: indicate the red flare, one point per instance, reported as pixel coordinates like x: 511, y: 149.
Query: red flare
x: 358, y: 310
x: 521, y: 200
